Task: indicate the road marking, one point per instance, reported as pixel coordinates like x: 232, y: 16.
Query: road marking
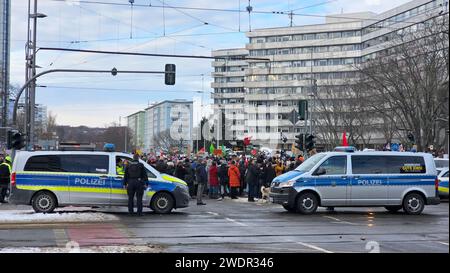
x: 61, y: 238
x: 443, y: 243
x: 236, y: 222
x: 213, y: 213
x: 314, y: 247
x: 339, y: 220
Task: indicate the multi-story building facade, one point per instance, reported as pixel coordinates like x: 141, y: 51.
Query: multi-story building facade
x: 174, y: 116
x: 321, y: 56
x: 229, y: 82
x: 5, y: 21
x: 136, y: 126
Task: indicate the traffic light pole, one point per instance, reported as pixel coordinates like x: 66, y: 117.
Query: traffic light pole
x: 32, y: 79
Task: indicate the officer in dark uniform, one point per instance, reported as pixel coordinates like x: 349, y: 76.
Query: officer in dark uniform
x: 136, y: 181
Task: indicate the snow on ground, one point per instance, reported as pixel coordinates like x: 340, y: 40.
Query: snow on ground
x: 93, y: 249
x: 75, y: 215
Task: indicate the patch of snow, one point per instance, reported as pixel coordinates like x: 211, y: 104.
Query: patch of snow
x: 93, y: 249
x: 29, y: 216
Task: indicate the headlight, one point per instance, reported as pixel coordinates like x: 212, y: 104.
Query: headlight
x: 287, y: 184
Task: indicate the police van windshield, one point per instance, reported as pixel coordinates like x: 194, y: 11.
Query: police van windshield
x: 310, y: 163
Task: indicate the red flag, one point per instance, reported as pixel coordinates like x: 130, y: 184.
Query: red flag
x: 344, y: 140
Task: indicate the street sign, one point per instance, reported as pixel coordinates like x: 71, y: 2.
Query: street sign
x: 293, y: 117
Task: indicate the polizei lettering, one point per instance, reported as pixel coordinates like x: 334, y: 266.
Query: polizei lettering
x: 90, y: 181
x: 371, y: 182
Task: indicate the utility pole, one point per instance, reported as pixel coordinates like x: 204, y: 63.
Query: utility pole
x: 31, y: 49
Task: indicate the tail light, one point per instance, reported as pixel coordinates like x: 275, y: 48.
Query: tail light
x: 13, y: 179
x: 436, y: 185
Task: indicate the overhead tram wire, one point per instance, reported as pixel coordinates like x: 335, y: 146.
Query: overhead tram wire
x: 233, y: 10
x: 157, y: 36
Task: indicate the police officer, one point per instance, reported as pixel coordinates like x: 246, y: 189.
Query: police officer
x: 136, y: 181
x: 5, y: 172
x: 120, y: 168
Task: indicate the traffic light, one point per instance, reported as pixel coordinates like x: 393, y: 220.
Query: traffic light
x: 303, y: 109
x: 299, y: 142
x: 310, y: 143
x: 169, y: 74
x: 15, y: 140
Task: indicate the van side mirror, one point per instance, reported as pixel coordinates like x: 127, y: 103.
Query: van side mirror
x: 320, y: 171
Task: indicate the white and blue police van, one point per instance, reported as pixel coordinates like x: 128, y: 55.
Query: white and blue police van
x: 49, y: 179
x: 394, y: 180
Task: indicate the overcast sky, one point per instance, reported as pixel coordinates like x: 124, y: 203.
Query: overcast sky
x: 100, y: 99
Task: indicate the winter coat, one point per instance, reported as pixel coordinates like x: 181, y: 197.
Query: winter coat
x: 4, y: 175
x: 189, y: 173
x: 223, y: 174
x: 235, y: 176
x: 200, y: 174
x: 270, y: 174
x: 213, y: 176
x: 279, y: 169
x: 180, y: 172
x: 253, y: 173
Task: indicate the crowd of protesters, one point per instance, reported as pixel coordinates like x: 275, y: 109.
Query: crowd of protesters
x: 225, y: 177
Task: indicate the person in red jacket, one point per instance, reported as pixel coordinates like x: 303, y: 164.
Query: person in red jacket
x: 213, y: 181
x: 235, y: 179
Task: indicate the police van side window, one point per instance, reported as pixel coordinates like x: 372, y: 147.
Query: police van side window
x: 335, y: 165
x: 97, y: 164
x: 387, y: 164
x: 43, y: 163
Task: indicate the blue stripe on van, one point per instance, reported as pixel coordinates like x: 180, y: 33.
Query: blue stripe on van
x: 380, y: 181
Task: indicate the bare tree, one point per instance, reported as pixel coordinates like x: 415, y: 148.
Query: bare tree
x: 339, y: 109
x: 408, y: 82
x: 163, y: 141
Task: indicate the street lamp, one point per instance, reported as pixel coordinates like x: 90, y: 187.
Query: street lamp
x: 31, y: 71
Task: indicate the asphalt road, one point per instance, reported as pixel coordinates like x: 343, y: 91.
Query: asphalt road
x: 233, y: 226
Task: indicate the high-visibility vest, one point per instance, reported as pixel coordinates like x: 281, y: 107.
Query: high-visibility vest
x: 120, y: 170
x: 9, y: 166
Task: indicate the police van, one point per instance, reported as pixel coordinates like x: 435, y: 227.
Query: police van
x: 394, y: 180
x: 46, y: 180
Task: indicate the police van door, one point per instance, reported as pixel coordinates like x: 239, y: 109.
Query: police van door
x: 370, y: 182
x: 89, y: 182
x: 332, y: 181
x: 119, y: 196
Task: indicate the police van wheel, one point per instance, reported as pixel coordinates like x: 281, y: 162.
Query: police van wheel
x: 44, y: 202
x: 307, y: 203
x: 413, y: 204
x: 288, y: 208
x: 393, y: 209
x: 162, y: 203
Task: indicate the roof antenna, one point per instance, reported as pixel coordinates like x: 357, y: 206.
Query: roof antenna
x: 249, y: 9
x: 131, y: 30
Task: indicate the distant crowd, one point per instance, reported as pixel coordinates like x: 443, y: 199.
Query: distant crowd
x: 220, y: 177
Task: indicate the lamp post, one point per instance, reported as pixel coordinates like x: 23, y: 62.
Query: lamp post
x: 31, y: 72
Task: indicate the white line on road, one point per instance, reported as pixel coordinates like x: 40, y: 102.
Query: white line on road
x: 339, y: 220
x: 314, y: 247
x: 213, y: 213
x: 443, y: 243
x: 236, y: 222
